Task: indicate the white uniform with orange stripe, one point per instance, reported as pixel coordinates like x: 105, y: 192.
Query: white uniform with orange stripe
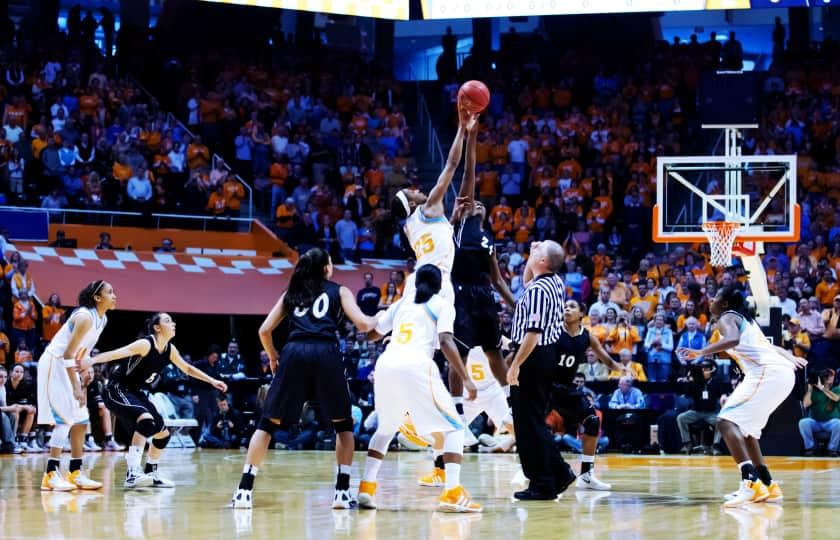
x: 768, y: 380
x: 432, y: 240
x: 406, y: 379
x: 56, y: 404
x: 491, y: 398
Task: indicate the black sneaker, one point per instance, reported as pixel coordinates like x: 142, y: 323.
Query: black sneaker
x: 533, y: 495
x: 564, y: 478
x: 833, y: 453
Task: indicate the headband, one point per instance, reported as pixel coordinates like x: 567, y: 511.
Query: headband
x: 404, y: 200
x: 98, y: 287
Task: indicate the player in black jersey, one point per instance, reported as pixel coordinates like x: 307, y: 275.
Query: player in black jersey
x: 575, y: 407
x: 127, y: 395
x: 475, y: 273
x: 311, y: 368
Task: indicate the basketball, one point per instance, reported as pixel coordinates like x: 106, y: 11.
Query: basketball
x: 475, y: 96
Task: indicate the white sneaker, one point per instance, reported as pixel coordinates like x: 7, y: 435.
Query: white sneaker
x: 159, y: 481
x: 342, y: 500
x: 112, y: 446
x: 17, y: 449
x: 135, y: 478
x: 749, y: 492
x: 241, y: 499
x: 589, y: 481
x: 81, y: 481
x: 91, y: 446
x: 54, y: 481
x: 34, y: 447
x: 488, y: 440
x: 469, y: 438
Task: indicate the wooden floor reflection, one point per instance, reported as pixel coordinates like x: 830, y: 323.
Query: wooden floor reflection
x: 653, y: 497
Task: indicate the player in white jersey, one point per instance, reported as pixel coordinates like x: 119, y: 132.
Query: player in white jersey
x: 768, y: 380
x: 491, y: 399
x: 408, y: 380
x: 61, y: 394
x: 428, y: 230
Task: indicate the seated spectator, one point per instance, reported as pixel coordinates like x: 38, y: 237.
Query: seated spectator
x: 8, y: 419
x: 659, y: 343
x: 593, y: 369
x: 24, y: 317
x: 98, y: 411
x: 626, y: 396
x: 634, y: 370
x: 798, y: 341
x: 822, y: 399
x: 19, y: 393
x: 104, y: 241
x: 176, y: 385
x: 691, y: 338
x: 705, y: 391
x: 6, y: 345
x: 391, y: 295
x: 226, y: 427
x: 61, y: 240
x: 301, y: 436
x: 166, y: 246
x: 232, y: 366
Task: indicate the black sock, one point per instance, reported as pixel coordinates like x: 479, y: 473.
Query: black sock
x: 342, y: 481
x: 109, y: 438
x: 150, y: 468
x: 585, y: 467
x: 748, y: 472
x: 247, y: 481
x: 88, y: 436
x: 459, y: 408
x: 75, y: 464
x: 764, y: 474
x: 53, y: 465
x: 439, y: 462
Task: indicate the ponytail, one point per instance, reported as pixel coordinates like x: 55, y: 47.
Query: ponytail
x: 87, y: 298
x: 307, y: 279
x: 151, y: 322
x: 427, y: 281
x: 736, y: 302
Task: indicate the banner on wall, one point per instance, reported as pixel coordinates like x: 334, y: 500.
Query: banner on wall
x: 380, y: 9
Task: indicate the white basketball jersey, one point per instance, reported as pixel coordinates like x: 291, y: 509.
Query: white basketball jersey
x: 416, y: 327
x: 754, y: 350
x: 432, y: 240
x: 58, y: 345
x: 478, y: 369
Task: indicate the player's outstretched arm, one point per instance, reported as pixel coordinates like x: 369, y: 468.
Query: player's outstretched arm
x: 141, y: 348
x: 603, y: 355
x: 354, y: 312
x: 467, y: 190
x: 434, y: 204
x: 194, y: 372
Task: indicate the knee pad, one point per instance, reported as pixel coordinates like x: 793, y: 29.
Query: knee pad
x: 60, y: 436
x: 147, y: 427
x: 268, y: 426
x: 591, y: 425
x: 161, y: 443
x: 343, y: 425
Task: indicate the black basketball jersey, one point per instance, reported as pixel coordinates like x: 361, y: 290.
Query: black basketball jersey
x: 571, y: 353
x: 321, y: 319
x: 473, y: 250
x: 142, y: 372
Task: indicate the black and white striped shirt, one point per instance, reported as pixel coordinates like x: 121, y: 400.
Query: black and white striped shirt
x: 540, y: 309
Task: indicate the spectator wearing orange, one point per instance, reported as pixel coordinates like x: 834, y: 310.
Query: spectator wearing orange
x: 24, y: 317
x: 488, y: 184
x: 501, y: 208
x: 217, y: 204
x: 391, y: 295
x: 597, y: 328
x: 285, y: 218
x: 5, y: 344
x: 601, y: 261
x: 503, y: 227
x: 23, y: 354
x: 88, y: 104
x: 525, y: 215
x: 596, y: 218
x: 620, y: 293
x: 52, y: 317
x: 827, y: 289
x: 644, y: 299
x: 120, y: 170
x: 398, y: 279
x: 234, y: 192
x: 278, y: 173
x: 635, y: 369
x: 198, y: 155
x: 799, y: 342
x: 623, y: 335
x: 21, y: 281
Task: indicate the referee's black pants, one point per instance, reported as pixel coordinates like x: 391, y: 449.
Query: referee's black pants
x: 541, y: 462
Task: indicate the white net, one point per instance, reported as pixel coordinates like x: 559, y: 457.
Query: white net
x: 721, y: 235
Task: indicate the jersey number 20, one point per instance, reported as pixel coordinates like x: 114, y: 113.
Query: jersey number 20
x: 319, y: 307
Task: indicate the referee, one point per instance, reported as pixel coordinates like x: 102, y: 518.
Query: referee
x: 535, y: 331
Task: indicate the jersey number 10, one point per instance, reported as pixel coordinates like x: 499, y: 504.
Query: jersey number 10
x: 566, y: 360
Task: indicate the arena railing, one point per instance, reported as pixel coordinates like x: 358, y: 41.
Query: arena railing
x: 121, y: 218
x: 173, y: 120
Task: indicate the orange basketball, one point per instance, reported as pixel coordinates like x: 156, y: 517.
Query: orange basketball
x: 474, y: 95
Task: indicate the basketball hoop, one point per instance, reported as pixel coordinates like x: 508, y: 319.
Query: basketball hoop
x: 721, y: 235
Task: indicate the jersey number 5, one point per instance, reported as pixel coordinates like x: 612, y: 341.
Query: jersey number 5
x: 424, y: 244
x: 405, y: 333
x: 477, y: 372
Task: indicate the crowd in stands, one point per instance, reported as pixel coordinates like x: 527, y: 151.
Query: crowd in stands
x: 559, y: 157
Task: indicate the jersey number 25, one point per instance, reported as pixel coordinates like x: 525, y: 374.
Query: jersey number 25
x: 424, y: 244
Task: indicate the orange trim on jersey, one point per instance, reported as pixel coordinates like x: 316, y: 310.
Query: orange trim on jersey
x: 754, y: 392
x: 449, y: 417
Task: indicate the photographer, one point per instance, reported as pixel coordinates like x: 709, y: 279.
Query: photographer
x: 705, y: 391
x: 225, y: 429
x: 823, y: 414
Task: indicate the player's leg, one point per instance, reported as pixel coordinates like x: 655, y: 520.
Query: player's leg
x: 157, y: 443
x: 584, y: 413
x: 55, y: 406
x: 454, y: 497
x: 754, y: 451
x: 377, y: 449
x: 107, y: 422
x: 78, y: 476
x: 751, y: 489
x: 344, y: 447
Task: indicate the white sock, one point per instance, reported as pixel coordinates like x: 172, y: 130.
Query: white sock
x: 748, y: 462
x: 506, y: 390
x: 133, y: 457
x: 506, y: 442
x: 345, y: 469
x: 587, y: 459
x: 152, y: 461
x: 453, y: 475
x: 250, y: 469
x: 372, y: 465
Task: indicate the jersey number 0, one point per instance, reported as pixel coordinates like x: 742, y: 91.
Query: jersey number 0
x: 319, y: 307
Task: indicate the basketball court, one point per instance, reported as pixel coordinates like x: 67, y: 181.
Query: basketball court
x: 653, y: 497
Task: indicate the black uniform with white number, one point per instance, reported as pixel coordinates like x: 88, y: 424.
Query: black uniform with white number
x: 476, y: 314
x: 311, y: 367
x: 131, y: 381
x: 572, y: 404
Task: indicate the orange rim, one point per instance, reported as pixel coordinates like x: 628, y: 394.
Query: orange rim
x: 793, y: 236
